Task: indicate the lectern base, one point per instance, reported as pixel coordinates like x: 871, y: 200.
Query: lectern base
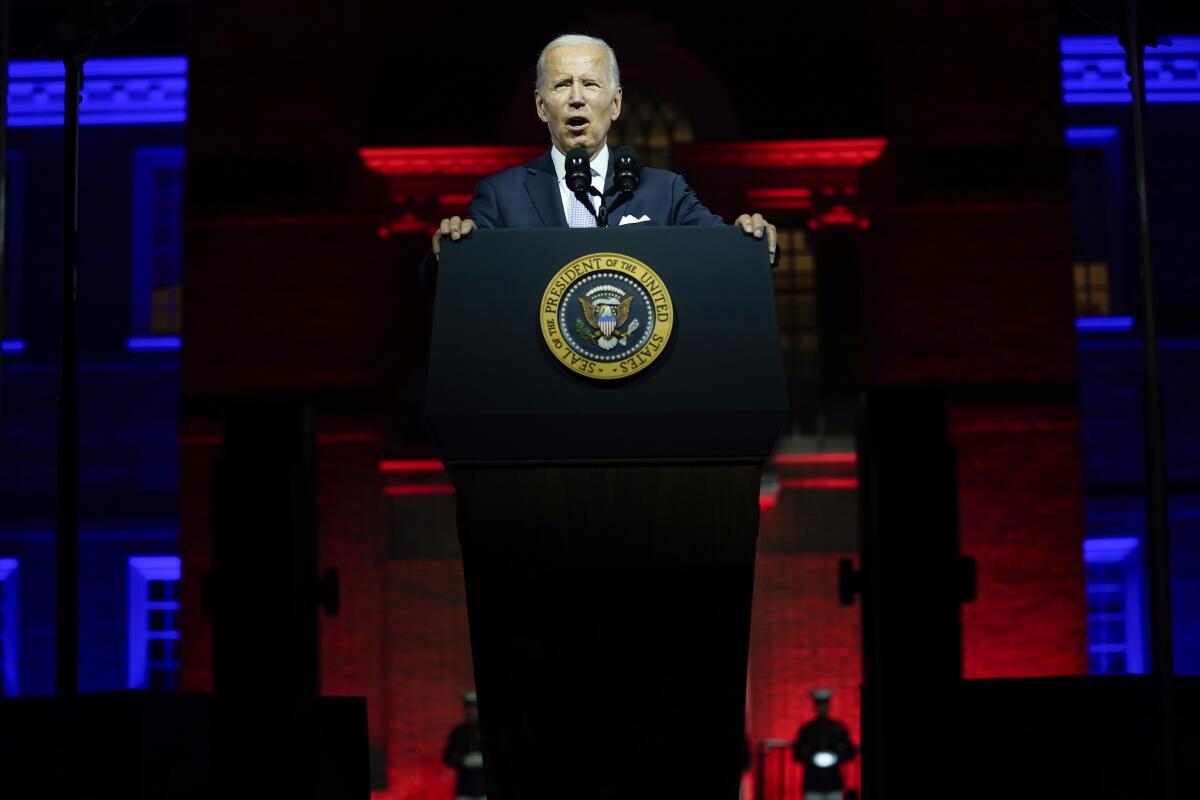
x: 610, y: 620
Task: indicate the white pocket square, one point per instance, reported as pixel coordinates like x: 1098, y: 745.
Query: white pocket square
x: 630, y: 219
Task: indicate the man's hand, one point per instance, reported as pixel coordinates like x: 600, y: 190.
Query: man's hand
x: 754, y: 225
x: 456, y: 228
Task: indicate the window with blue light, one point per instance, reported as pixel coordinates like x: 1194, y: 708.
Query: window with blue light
x: 9, y: 682
x: 154, y: 622
x: 148, y: 90
x: 1114, y: 606
x: 1100, y: 271
x: 157, y: 248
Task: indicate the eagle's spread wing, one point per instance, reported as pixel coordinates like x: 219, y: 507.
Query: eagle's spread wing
x: 623, y: 310
x: 589, y: 312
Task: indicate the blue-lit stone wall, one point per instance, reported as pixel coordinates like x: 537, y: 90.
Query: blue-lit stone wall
x: 1111, y: 365
x: 128, y: 401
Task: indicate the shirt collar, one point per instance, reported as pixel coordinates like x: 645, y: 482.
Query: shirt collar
x: 599, y: 163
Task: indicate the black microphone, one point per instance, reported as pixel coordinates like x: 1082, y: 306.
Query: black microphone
x: 579, y: 170
x: 579, y: 181
x: 628, y: 172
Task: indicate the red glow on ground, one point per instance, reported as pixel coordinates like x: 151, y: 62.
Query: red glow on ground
x: 416, y: 490
x: 411, y: 465
x: 790, y: 459
x: 819, y: 483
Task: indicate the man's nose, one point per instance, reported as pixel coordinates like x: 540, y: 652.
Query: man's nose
x: 576, y: 93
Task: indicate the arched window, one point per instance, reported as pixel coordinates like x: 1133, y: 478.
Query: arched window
x: 651, y: 126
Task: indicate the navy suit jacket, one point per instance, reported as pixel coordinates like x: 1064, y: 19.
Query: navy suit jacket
x: 528, y: 197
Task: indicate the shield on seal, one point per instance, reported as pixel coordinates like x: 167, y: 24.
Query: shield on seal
x: 607, y: 320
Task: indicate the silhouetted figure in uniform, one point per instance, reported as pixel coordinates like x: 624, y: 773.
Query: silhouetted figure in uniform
x: 464, y: 752
x: 822, y: 745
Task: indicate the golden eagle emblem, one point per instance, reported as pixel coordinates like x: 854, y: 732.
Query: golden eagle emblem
x: 606, y: 314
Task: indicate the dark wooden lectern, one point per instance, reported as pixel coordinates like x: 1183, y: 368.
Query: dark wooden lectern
x: 608, y: 527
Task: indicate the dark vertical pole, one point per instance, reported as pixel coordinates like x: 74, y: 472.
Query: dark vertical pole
x: 1158, y: 551
x: 67, y: 574
x: 265, y: 549
x: 907, y: 472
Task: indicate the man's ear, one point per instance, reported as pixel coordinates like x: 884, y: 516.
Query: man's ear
x: 616, y: 104
x: 539, y: 106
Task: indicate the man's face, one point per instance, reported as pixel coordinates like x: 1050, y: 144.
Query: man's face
x: 577, y: 102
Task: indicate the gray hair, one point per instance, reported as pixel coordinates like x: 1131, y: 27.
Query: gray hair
x: 568, y: 39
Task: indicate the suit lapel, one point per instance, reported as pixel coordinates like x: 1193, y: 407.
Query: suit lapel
x: 542, y: 185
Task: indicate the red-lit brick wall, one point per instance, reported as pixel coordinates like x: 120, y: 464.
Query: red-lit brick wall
x: 429, y: 667
x: 353, y: 531
x: 1021, y: 497
x: 352, y: 525
x: 968, y: 287
x: 801, y: 639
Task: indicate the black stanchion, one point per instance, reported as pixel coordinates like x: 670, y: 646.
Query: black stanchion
x: 1158, y: 546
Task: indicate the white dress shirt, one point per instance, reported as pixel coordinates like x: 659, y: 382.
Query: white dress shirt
x: 599, y: 171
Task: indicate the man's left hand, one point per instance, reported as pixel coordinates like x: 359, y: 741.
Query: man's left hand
x: 755, y: 225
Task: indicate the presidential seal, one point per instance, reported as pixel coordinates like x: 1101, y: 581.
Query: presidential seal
x: 606, y: 316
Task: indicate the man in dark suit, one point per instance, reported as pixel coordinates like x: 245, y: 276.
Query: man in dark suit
x: 578, y: 96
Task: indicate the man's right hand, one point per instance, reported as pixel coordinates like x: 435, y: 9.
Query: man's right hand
x: 455, y: 228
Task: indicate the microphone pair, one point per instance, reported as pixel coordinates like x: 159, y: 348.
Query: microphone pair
x: 626, y: 177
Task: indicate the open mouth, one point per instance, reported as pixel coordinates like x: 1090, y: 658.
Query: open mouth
x: 577, y: 125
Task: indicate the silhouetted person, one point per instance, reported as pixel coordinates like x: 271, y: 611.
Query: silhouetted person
x: 464, y: 752
x: 821, y: 746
